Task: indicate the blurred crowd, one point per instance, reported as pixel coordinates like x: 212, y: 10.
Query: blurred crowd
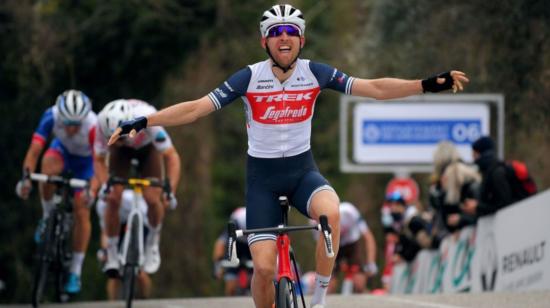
x: 459, y: 194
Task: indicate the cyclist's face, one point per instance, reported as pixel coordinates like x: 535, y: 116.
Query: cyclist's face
x: 284, y: 48
x: 71, y: 130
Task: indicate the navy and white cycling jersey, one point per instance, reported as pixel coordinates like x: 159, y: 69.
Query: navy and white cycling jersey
x: 279, y: 114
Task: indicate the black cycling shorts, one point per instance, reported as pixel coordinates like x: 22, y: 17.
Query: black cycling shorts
x: 296, y: 177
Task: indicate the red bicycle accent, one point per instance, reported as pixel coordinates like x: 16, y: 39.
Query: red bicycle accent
x: 283, y: 249
x: 287, y: 276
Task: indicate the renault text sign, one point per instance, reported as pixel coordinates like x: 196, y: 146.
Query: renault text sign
x: 408, y: 133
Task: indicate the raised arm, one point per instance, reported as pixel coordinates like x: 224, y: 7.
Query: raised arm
x: 178, y: 114
x: 182, y: 113
x: 388, y: 88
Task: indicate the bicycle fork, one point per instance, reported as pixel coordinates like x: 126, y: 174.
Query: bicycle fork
x: 128, y: 254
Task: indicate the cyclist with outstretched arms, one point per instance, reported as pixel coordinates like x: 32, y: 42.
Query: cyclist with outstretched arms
x: 152, y: 148
x: 72, y: 123
x: 279, y: 97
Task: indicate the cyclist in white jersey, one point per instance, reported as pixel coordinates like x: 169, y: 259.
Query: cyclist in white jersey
x: 230, y: 275
x: 279, y: 95
x: 357, y: 248
x: 152, y: 148
x: 72, y: 124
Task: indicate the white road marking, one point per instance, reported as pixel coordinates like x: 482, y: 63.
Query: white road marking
x: 416, y: 302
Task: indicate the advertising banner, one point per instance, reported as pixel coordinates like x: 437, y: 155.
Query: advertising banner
x: 507, y: 251
x: 407, y: 133
x: 522, y: 235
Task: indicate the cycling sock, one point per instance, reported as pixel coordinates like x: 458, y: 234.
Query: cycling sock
x: 112, y: 245
x: 47, y: 207
x: 153, y: 238
x: 320, y: 291
x: 76, y: 263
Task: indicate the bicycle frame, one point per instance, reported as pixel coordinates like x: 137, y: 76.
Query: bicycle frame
x: 349, y: 274
x: 135, y: 213
x: 285, y: 254
x: 133, y: 258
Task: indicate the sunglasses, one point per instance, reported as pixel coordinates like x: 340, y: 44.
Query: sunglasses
x: 278, y: 30
x: 72, y: 123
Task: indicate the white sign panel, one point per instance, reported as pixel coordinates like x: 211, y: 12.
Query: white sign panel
x: 522, y: 237
x: 408, y: 133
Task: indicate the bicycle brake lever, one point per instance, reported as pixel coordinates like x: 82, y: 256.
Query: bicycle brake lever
x: 326, y: 231
x: 231, y: 256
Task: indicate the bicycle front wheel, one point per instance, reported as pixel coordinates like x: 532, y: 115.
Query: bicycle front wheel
x: 43, y: 261
x: 128, y: 282
x: 285, y: 294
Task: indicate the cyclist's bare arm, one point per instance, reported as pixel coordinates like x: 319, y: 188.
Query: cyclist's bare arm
x: 178, y: 114
x: 172, y: 165
x: 219, y: 250
x: 181, y: 113
x: 388, y: 88
x: 370, y: 243
x: 32, y: 156
x: 101, y: 171
x: 24, y: 186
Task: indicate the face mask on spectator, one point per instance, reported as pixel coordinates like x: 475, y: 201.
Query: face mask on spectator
x: 397, y: 216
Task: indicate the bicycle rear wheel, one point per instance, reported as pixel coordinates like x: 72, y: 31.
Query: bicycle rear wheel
x: 285, y: 294
x: 43, y: 261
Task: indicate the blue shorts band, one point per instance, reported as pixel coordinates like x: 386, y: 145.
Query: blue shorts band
x: 296, y: 177
x: 80, y: 167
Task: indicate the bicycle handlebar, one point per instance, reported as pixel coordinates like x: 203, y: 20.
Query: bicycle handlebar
x: 59, y: 180
x: 323, y: 227
x: 141, y: 182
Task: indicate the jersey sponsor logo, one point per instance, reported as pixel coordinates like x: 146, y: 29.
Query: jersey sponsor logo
x: 266, y: 87
x: 282, y: 107
x: 301, y: 85
x: 220, y: 92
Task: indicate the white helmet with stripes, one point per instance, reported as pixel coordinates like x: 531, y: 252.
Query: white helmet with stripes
x: 73, y: 106
x: 113, y: 114
x: 282, y: 14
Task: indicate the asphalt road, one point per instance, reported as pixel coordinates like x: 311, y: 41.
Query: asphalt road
x: 500, y: 300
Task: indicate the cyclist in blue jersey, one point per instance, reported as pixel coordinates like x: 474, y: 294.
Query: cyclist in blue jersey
x: 72, y: 123
x: 279, y: 97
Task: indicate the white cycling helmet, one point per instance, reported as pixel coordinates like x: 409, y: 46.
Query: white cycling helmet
x: 73, y: 106
x: 113, y: 114
x: 282, y: 14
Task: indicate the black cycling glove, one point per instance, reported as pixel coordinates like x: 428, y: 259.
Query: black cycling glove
x: 430, y: 84
x: 138, y: 124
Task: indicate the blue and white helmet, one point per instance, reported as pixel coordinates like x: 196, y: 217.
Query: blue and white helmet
x: 113, y: 114
x: 282, y: 14
x: 73, y: 106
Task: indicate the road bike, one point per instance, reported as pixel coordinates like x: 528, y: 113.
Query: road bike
x: 244, y: 271
x: 131, y: 252
x: 54, y: 251
x: 349, y: 272
x: 287, y: 277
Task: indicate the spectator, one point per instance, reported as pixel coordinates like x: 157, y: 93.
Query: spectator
x: 453, y: 182
x: 495, y: 191
x: 401, y: 217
